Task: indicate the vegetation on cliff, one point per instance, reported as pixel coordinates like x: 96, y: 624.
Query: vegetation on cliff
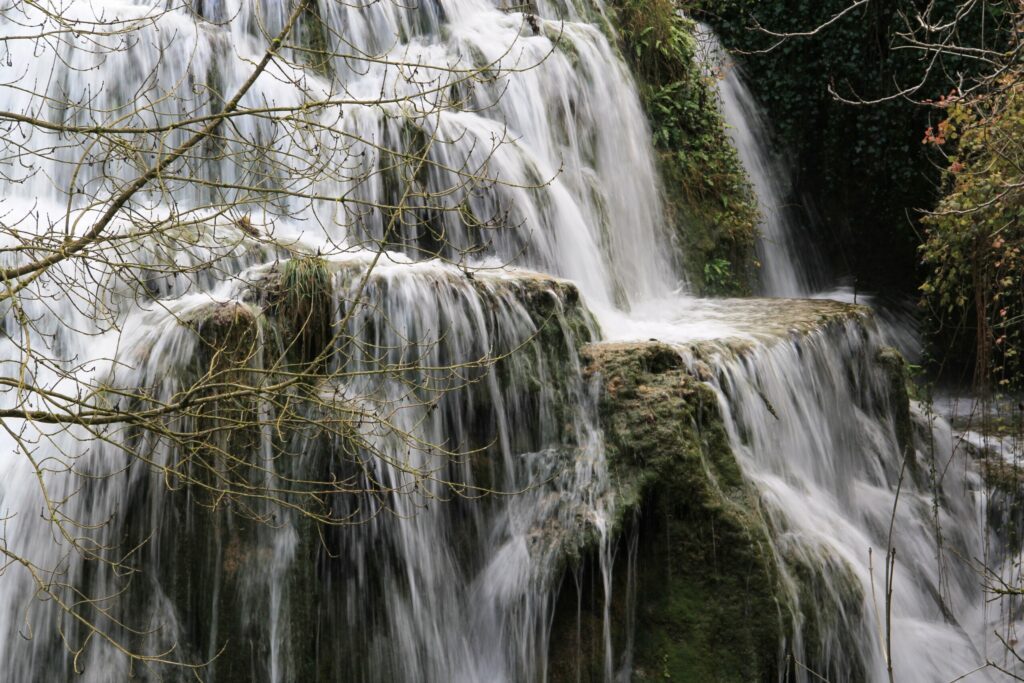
x: 863, y: 167
x: 710, y: 202
x: 851, y: 89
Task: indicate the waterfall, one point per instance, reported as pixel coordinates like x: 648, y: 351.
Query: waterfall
x: 466, y: 238
x: 423, y: 580
x: 581, y: 205
x: 817, y: 430
x: 813, y: 428
x: 790, y: 262
x: 790, y: 266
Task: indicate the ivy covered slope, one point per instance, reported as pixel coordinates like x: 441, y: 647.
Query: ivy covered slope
x: 709, y: 200
x: 974, y: 246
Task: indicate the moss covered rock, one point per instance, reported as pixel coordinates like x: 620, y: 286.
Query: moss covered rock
x: 899, y: 398
x: 706, y: 586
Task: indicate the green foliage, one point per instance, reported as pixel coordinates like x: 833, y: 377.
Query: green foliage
x: 710, y: 202
x: 974, y: 246
x: 718, y: 277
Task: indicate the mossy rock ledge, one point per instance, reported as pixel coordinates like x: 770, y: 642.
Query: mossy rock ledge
x: 697, y: 592
x: 706, y: 602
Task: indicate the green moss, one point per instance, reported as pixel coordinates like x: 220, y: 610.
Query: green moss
x: 1005, y: 510
x: 312, y: 38
x: 226, y: 429
x: 541, y: 369
x: 212, y: 528
x: 555, y: 307
x: 556, y: 34
x: 228, y: 334
x: 1005, y: 477
x: 710, y: 202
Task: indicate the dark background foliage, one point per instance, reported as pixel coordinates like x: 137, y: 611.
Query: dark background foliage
x: 864, y: 167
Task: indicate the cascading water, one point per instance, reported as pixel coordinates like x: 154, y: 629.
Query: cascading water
x: 417, y: 586
x: 428, y: 582
x: 789, y: 265
x: 837, y: 483
x: 817, y: 430
x: 790, y: 262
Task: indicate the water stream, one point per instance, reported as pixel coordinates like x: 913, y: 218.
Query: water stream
x: 790, y: 266
x: 424, y: 585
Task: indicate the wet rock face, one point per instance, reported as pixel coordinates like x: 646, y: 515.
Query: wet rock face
x: 704, y: 602
x: 711, y: 581
x: 896, y: 370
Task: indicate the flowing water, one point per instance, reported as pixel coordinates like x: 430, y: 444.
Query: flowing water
x: 789, y: 264
x: 829, y: 486
x: 827, y: 470
x: 428, y: 582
